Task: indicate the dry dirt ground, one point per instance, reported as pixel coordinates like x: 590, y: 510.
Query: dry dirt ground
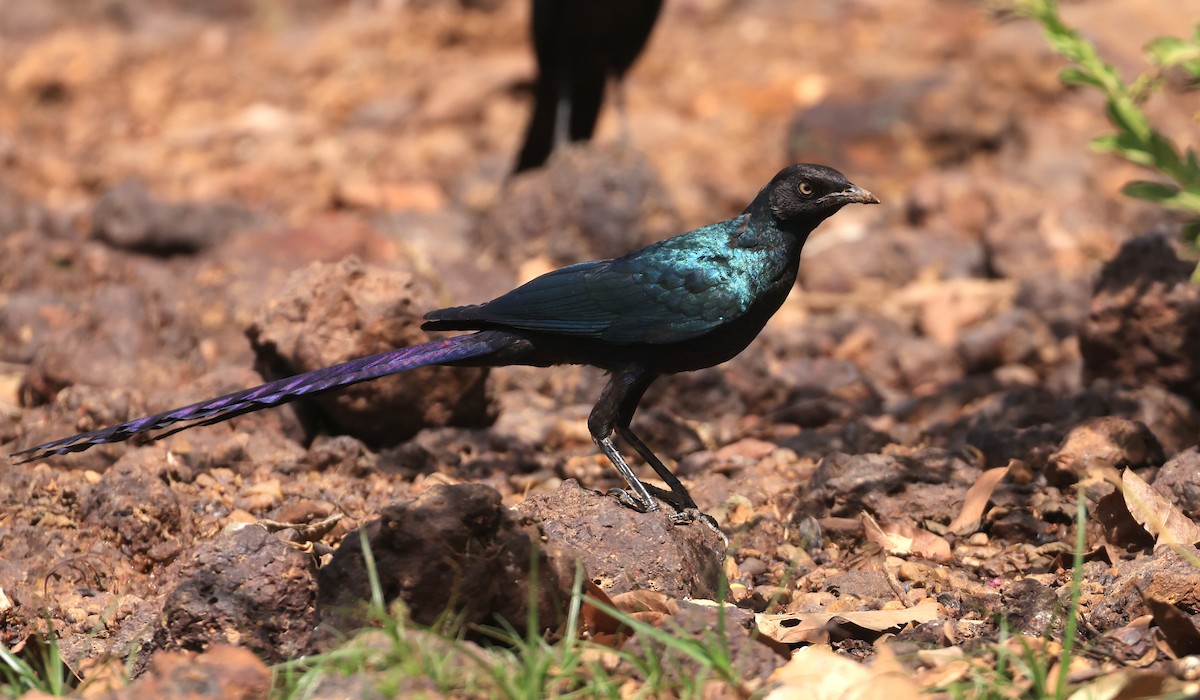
x: 194, y: 199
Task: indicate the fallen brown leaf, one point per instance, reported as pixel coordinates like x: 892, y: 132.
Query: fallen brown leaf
x: 643, y: 600
x: 594, y: 622
x: 816, y: 673
x: 902, y: 540
x: 1120, y: 528
x: 795, y: 628
x: 1154, y: 512
x: 1127, y: 684
x: 1177, y: 628
x: 975, y: 502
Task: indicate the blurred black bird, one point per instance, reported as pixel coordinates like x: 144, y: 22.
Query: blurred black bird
x: 682, y: 304
x: 579, y: 45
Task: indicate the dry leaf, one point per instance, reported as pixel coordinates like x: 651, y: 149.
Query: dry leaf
x: 1127, y: 684
x: 902, y: 540
x: 596, y: 623
x: 644, y: 600
x: 1154, y: 512
x: 1177, y: 628
x: 942, y: 667
x: 1120, y: 528
x: 795, y: 628
x: 975, y: 502
x: 815, y: 673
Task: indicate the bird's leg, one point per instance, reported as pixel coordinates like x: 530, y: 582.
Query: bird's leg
x: 686, y: 509
x: 626, y: 385
x: 679, y: 496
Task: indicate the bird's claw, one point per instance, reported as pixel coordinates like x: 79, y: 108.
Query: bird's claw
x: 630, y: 501
x: 686, y: 516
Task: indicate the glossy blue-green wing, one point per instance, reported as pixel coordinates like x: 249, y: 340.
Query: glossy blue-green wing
x: 636, y: 299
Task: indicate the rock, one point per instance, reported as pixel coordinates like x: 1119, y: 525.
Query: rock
x: 751, y: 656
x: 897, y: 257
x: 454, y: 549
x: 1016, y: 336
x: 973, y: 106
x: 870, y: 588
x: 15, y: 212
x: 244, y: 586
x: 1144, y: 325
x: 1107, y: 441
x: 127, y: 216
x: 110, y: 339
x: 1031, y: 608
x: 1179, y: 480
x: 330, y: 313
x: 623, y: 550
x: 1059, y: 301
x: 590, y: 201
x: 1168, y: 574
x: 928, y: 483
x: 133, y: 501
x: 223, y: 672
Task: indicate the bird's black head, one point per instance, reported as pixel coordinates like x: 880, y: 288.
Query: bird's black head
x: 807, y: 194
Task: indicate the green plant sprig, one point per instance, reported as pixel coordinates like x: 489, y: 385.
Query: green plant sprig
x: 1136, y: 140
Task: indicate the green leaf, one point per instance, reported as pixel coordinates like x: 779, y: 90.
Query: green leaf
x: 1126, y: 116
x: 1170, y: 51
x: 1074, y: 75
x: 1125, y: 145
x: 1193, y: 167
x: 1150, y: 191
x: 1166, y: 158
x: 1191, y: 232
x: 1168, y: 196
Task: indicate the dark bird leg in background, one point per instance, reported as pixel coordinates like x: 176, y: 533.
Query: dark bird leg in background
x: 689, y: 302
x: 579, y: 45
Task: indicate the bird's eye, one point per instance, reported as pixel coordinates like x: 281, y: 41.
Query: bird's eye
x: 805, y: 189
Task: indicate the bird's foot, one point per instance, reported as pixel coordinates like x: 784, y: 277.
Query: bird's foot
x: 631, y: 501
x: 685, y: 516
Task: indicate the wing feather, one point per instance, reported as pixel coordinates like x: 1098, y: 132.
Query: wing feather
x: 662, y: 294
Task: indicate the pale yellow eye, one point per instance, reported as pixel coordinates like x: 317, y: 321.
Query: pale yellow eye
x: 805, y: 189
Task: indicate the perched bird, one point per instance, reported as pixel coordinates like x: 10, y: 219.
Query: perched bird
x: 681, y: 304
x: 579, y: 46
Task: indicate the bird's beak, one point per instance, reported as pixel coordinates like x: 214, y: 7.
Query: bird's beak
x: 854, y: 193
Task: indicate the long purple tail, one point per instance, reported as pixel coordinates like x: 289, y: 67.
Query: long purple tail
x: 444, y: 351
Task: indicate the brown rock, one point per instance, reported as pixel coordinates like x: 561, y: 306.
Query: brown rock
x: 128, y: 216
x: 590, y: 201
x: 332, y: 313
x: 1032, y: 608
x: 453, y: 548
x: 1104, y: 442
x: 223, y: 673
x: 1144, y: 326
x: 1016, y: 336
x: 244, y: 586
x: 1179, y: 479
x: 1167, y: 574
x: 134, y: 503
x: 751, y: 655
x: 929, y: 483
x: 624, y: 550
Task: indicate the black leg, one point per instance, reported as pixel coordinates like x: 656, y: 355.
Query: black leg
x: 680, y: 498
x: 686, y: 509
x: 625, y: 384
